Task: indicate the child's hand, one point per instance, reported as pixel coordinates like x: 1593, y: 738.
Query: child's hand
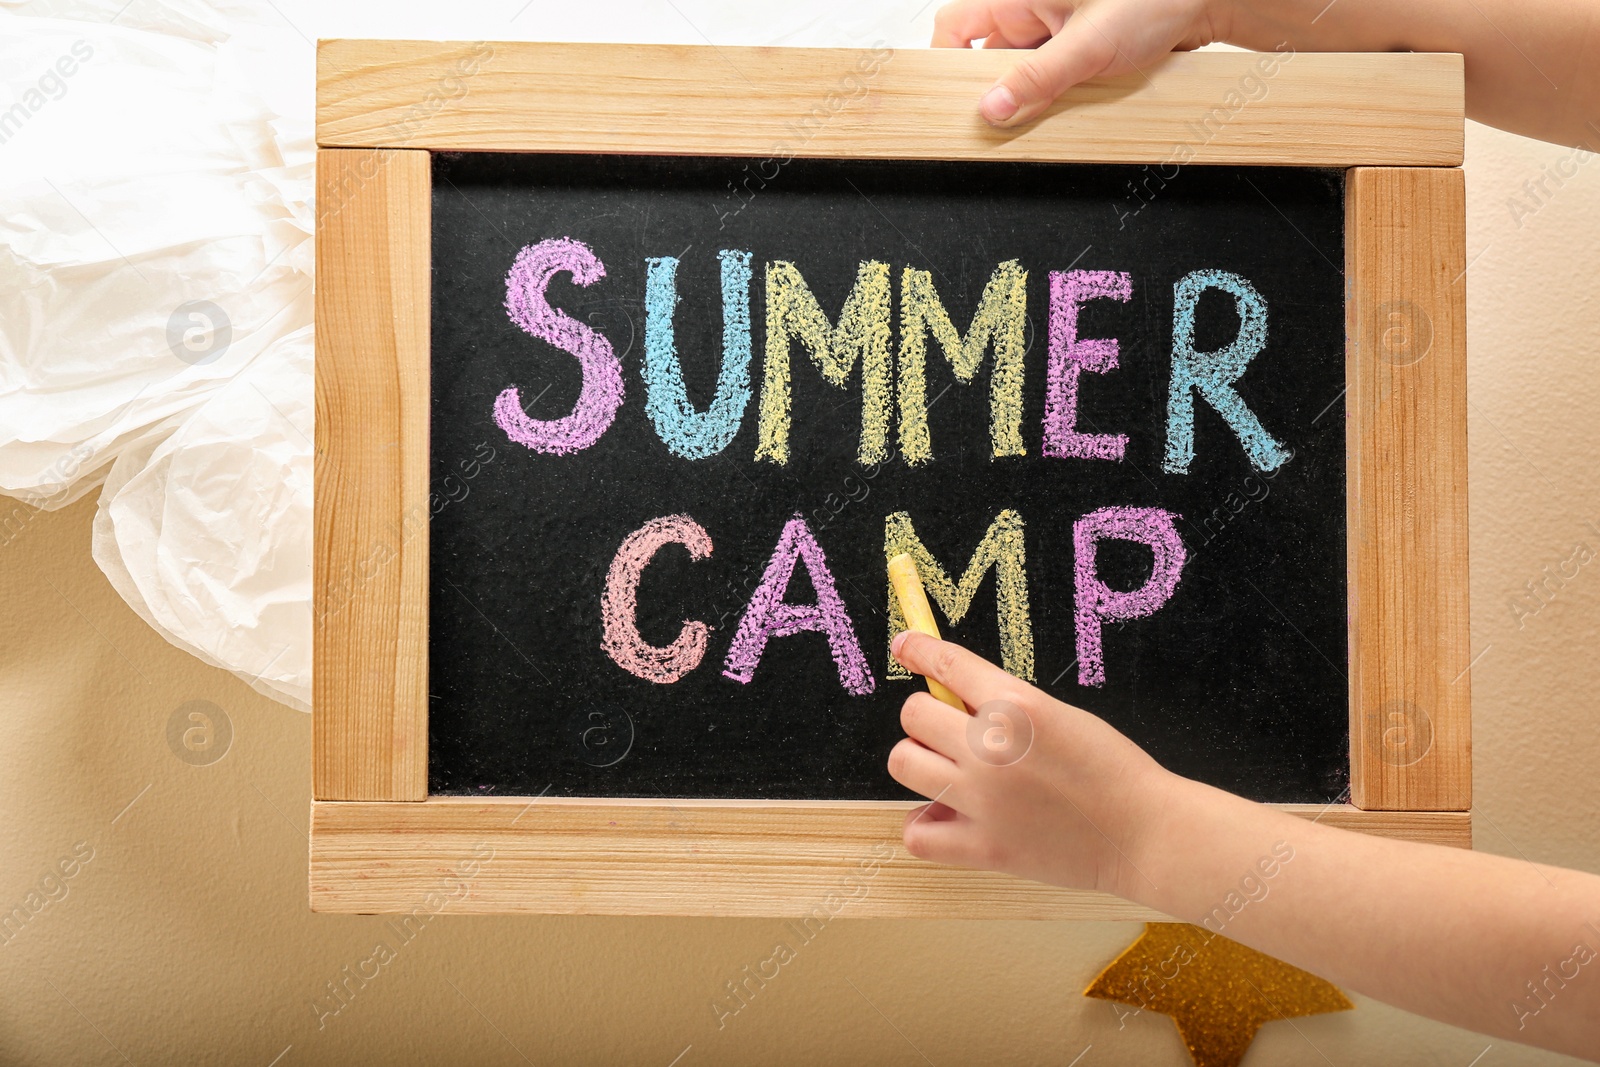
x: 1029, y: 786
x: 1074, y: 41
x: 1450, y: 933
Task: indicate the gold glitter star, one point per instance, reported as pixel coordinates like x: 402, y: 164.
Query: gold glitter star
x: 1217, y: 991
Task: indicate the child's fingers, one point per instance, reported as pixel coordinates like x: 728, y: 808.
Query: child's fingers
x: 998, y: 39
x: 1079, y: 52
x: 971, y: 677
x: 934, y: 810
x: 951, y: 840
x: 1017, y: 25
x: 922, y: 770
x: 958, y: 24
x: 934, y: 724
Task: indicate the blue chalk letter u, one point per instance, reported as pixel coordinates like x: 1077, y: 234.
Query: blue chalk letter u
x: 685, y: 431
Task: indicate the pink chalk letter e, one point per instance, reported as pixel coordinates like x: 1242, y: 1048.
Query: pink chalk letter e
x: 528, y: 307
x: 768, y: 616
x: 1098, y: 602
x: 619, y: 604
x: 1071, y: 355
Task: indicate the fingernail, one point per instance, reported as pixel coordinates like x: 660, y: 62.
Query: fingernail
x: 895, y: 645
x: 998, y: 104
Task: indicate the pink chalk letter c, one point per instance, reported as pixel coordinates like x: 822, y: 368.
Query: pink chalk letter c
x: 619, y: 604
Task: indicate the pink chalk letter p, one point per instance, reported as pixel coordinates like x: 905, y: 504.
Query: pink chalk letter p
x: 1098, y: 602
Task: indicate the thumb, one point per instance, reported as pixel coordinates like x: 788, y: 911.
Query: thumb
x: 1080, y: 51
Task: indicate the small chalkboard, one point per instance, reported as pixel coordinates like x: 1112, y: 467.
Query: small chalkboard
x: 626, y: 397
x: 680, y: 402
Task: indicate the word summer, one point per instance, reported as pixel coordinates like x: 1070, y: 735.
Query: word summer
x: 892, y: 377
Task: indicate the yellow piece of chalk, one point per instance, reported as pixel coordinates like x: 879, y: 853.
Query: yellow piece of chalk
x: 918, y: 614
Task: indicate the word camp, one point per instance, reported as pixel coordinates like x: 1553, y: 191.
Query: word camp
x: 859, y: 342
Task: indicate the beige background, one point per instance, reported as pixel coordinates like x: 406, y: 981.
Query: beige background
x: 187, y: 937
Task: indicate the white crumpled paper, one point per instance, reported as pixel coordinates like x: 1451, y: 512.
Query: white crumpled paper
x: 155, y: 275
x: 155, y: 310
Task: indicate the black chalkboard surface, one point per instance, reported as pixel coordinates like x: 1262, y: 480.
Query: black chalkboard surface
x: 1215, y: 580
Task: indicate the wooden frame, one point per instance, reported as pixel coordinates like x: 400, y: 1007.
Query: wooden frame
x: 379, y: 843
x: 1406, y: 496
x: 1323, y: 110
x: 371, y: 495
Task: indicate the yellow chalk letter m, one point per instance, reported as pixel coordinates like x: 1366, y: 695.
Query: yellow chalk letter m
x: 1002, y: 548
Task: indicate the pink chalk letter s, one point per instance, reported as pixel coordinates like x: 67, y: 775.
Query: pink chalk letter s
x: 1098, y: 602
x: 619, y: 603
x: 768, y: 616
x: 528, y: 307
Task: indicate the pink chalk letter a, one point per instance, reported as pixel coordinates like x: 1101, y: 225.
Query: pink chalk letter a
x: 768, y: 616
